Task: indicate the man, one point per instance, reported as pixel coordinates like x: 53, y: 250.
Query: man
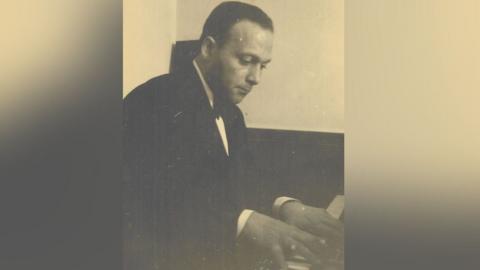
x: 186, y: 157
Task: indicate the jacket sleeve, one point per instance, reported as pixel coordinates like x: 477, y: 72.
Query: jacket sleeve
x: 135, y: 215
x: 252, y: 189
x: 144, y: 243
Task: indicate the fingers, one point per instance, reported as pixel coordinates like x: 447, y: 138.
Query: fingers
x: 292, y: 247
x: 326, y: 222
x: 317, y: 221
x: 300, y: 249
x: 328, y: 219
x: 278, y: 257
x: 315, y: 244
x: 332, y: 237
x: 328, y: 232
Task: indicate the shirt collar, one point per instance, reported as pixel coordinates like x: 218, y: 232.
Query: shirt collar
x: 207, y: 89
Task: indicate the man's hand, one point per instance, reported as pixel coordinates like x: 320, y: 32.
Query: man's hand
x: 281, y: 239
x: 316, y: 221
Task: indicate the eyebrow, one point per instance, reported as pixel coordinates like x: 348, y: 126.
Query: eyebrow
x: 267, y: 61
x: 256, y: 58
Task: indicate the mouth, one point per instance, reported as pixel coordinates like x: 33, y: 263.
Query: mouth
x: 244, y: 90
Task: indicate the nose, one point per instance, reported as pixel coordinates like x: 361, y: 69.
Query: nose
x: 254, y: 74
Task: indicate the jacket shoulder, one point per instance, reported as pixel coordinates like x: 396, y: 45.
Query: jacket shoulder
x: 148, y: 89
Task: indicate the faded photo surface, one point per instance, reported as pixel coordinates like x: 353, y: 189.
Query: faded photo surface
x: 237, y: 161
x: 233, y: 134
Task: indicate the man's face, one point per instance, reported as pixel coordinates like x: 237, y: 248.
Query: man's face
x: 237, y: 65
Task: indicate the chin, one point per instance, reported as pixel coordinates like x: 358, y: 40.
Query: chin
x: 236, y: 99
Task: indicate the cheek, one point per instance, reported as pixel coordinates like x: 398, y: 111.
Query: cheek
x: 237, y: 76
x: 234, y: 73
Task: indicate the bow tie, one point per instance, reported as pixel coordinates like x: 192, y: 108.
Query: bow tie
x: 217, y: 109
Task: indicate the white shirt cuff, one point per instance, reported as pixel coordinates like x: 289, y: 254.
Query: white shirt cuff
x: 242, y: 220
x: 277, y: 205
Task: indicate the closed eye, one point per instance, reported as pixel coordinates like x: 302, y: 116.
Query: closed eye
x: 252, y: 60
x: 245, y: 60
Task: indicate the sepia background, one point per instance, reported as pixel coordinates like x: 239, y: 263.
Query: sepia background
x: 412, y: 134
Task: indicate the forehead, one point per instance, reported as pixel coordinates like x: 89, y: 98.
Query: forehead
x: 250, y: 38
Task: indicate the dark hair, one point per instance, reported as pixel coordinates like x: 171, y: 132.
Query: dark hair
x: 225, y: 15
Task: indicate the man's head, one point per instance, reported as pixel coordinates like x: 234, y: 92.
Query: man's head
x: 236, y: 45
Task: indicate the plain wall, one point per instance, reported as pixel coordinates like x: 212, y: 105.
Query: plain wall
x: 303, y: 87
x: 148, y: 35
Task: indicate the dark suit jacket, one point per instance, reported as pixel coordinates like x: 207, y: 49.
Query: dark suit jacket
x: 182, y: 194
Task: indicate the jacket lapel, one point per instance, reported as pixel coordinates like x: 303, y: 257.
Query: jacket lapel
x: 197, y: 119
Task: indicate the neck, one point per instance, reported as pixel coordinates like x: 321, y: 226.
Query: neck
x: 205, y: 68
x: 206, y: 87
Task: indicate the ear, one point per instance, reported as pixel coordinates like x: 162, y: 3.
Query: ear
x: 208, y: 46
